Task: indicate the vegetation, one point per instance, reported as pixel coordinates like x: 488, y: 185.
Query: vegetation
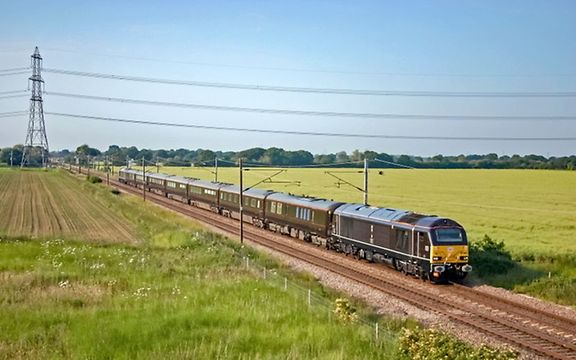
x: 431, y: 344
x: 93, y: 179
x: 489, y: 257
x: 177, y: 292
x: 277, y: 157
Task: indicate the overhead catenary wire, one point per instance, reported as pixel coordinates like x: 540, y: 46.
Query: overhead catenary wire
x: 335, y: 91
x: 323, y: 134
x: 315, y: 113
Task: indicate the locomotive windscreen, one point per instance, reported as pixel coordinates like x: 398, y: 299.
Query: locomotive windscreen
x: 449, y: 236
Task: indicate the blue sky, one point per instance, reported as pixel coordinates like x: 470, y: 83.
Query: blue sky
x: 492, y: 46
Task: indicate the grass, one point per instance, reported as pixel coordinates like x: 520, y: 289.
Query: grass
x: 532, y: 211
x: 177, y: 292
x: 74, y: 300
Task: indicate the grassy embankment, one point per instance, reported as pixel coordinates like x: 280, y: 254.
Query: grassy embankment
x: 171, y: 291
x: 532, y: 211
x: 175, y: 292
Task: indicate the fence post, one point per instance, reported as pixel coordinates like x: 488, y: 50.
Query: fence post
x: 285, y: 284
x: 376, y: 331
x: 309, y: 297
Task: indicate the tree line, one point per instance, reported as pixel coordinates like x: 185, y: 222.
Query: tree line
x: 274, y: 156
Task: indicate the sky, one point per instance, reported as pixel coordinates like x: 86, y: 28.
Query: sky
x: 422, y: 45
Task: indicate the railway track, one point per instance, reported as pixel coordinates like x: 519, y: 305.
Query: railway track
x: 540, y: 332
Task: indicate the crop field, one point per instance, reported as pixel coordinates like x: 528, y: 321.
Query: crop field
x: 530, y: 210
x: 41, y: 204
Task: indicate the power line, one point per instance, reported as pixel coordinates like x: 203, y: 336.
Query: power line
x: 13, y: 114
x: 15, y: 69
x: 325, y: 134
x: 13, y: 92
x: 15, y: 73
x: 315, y: 113
x: 13, y: 96
x: 327, y: 71
x: 314, y: 90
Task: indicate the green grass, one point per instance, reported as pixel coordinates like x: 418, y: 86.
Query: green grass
x: 179, y: 293
x: 73, y: 300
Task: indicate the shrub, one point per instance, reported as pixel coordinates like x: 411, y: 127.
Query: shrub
x: 432, y: 344
x: 93, y: 179
x: 489, y: 257
x: 344, y: 311
x: 115, y: 191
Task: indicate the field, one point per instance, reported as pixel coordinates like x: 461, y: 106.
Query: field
x: 530, y: 210
x: 38, y: 205
x: 170, y: 291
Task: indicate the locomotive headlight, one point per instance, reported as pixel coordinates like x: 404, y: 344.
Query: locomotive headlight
x: 437, y: 258
x: 464, y: 258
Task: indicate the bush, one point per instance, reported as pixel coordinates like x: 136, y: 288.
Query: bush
x: 432, y: 344
x: 115, y: 191
x: 93, y: 179
x: 489, y: 257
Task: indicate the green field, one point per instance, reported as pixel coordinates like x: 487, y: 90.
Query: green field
x: 168, y: 290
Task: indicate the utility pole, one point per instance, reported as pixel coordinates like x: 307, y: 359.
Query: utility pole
x: 36, y: 134
x: 365, y: 181
x: 11, y: 157
x: 241, y: 203
x: 107, y: 171
x: 215, y: 169
x: 143, y: 178
x: 157, y: 165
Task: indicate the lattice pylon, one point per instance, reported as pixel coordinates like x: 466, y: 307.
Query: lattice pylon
x: 36, y: 139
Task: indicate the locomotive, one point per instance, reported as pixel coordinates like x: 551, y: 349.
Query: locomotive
x: 429, y: 247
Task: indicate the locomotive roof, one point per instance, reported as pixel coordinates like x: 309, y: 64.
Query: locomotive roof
x: 305, y: 202
x: 253, y: 192
x: 388, y: 215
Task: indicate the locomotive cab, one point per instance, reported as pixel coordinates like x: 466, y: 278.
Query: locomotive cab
x: 449, y: 253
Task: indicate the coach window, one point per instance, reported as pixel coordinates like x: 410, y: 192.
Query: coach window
x: 279, y: 208
x: 273, y: 207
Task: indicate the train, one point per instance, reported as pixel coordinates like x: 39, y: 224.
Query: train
x: 426, y: 246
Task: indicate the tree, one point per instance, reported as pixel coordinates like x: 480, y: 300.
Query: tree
x: 342, y: 156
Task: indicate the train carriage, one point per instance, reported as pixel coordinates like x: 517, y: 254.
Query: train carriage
x: 204, y: 193
x: 157, y: 181
x: 254, y: 201
x: 131, y: 177
x: 178, y: 186
x: 306, y: 218
x: 426, y: 246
